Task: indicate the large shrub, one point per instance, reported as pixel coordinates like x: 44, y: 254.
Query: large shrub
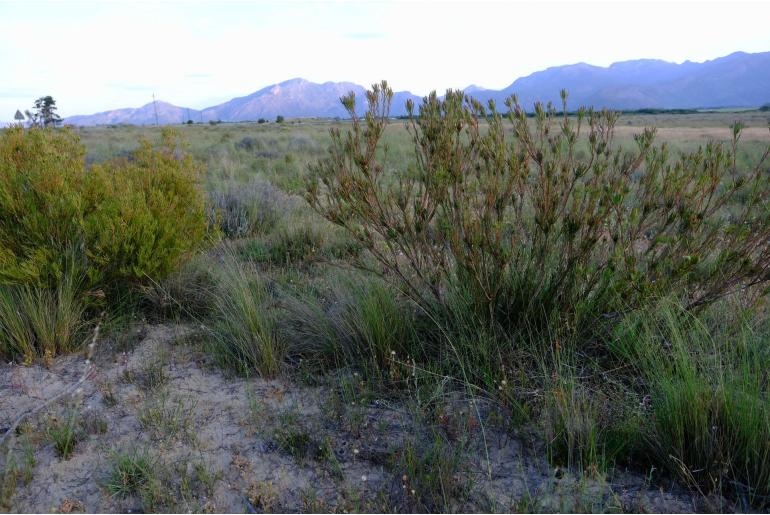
x: 546, y: 218
x: 119, y: 224
x: 41, y: 176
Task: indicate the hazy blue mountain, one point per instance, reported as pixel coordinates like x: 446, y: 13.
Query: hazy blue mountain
x: 737, y: 80
x: 293, y: 98
x: 145, y: 115
x: 297, y: 98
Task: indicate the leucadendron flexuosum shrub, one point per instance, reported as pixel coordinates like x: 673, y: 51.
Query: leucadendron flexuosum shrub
x: 540, y: 216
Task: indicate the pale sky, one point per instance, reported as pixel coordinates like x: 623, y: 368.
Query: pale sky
x: 96, y: 56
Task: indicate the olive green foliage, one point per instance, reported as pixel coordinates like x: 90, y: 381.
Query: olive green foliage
x: 41, y: 176
x: 126, y: 221
x: 546, y: 217
x: 147, y: 213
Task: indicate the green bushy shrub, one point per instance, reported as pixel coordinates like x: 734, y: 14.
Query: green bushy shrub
x: 545, y: 218
x: 126, y: 221
x: 42, y: 173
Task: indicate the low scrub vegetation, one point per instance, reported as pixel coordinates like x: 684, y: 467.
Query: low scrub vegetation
x: 606, y: 298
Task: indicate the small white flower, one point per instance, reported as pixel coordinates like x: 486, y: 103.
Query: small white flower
x: 363, y: 478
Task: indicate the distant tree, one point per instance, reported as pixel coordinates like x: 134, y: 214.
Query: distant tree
x: 189, y: 122
x: 32, y: 118
x: 765, y: 107
x: 45, y: 112
x: 279, y: 119
x: 261, y: 120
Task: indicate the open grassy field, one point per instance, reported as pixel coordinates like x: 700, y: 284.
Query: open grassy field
x: 280, y: 367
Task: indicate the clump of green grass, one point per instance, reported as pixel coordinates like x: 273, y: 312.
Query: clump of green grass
x: 16, y: 335
x: 28, y: 461
x: 166, y: 419
x: 151, y: 375
x: 244, y: 335
x: 196, y: 482
x: 572, y: 427
x: 432, y: 475
x: 9, y: 478
x: 709, y: 419
x: 296, y: 443
x: 291, y: 435
x: 184, y: 294
x: 297, y: 242
x: 65, y: 434
x: 40, y: 322
x: 361, y: 323
x: 134, y: 473
x: 159, y: 486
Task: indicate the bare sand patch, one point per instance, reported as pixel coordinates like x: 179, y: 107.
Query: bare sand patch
x: 225, y: 444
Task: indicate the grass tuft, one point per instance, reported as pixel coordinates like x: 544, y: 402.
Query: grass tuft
x: 244, y: 330
x: 708, y: 414
x: 39, y: 322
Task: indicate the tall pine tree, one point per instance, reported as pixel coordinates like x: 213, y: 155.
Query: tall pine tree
x: 45, y: 112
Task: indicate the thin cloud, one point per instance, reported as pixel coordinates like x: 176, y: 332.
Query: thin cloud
x: 127, y: 86
x: 365, y: 35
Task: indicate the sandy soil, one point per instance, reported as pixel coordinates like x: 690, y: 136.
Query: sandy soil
x: 224, y: 444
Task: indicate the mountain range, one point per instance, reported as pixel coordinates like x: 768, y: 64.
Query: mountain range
x: 736, y: 80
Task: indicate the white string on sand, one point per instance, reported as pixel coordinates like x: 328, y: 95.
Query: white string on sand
x: 67, y: 391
